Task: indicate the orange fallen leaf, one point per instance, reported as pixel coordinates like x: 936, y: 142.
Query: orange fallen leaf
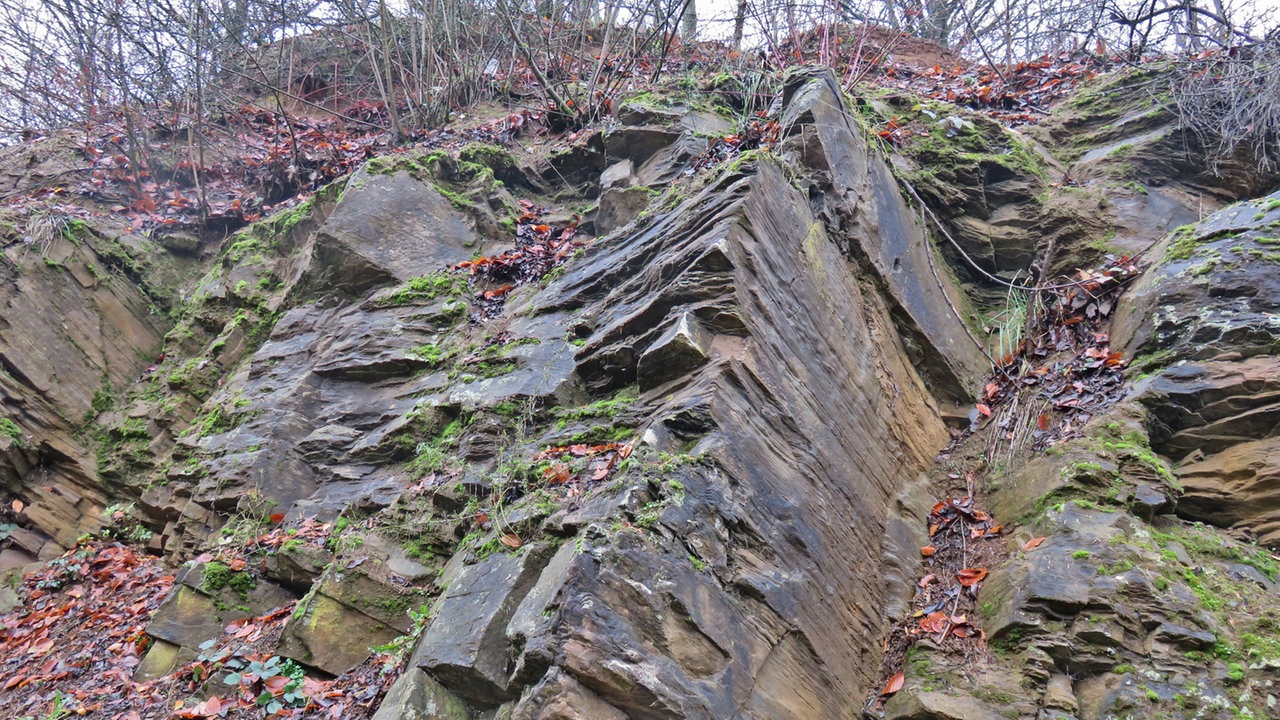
x: 984, y: 409
x: 969, y: 577
x: 277, y: 518
x: 557, y: 474
x: 924, y: 581
x: 1042, y: 422
x: 18, y: 505
x: 894, y: 684
x: 511, y: 540
x: 928, y: 551
x: 1033, y: 543
x: 934, y: 622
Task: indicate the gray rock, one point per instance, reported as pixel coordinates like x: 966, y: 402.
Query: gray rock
x: 638, y: 143
x: 618, y: 175
x: 680, y: 350
x: 619, y: 206
x: 416, y: 696
x: 194, y: 612
x: 465, y: 646
x: 387, y: 228
x: 920, y: 705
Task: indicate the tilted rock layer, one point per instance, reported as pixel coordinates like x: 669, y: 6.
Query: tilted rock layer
x: 764, y: 351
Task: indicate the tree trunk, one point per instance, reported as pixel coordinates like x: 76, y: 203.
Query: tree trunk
x: 689, y: 21
x: 739, y: 20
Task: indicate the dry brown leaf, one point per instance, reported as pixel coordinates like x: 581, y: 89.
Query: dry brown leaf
x: 1033, y: 543
x: 894, y: 684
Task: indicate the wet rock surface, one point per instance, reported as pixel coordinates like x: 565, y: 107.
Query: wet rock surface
x: 681, y: 472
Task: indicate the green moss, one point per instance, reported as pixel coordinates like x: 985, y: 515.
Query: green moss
x: 490, y: 156
x: 427, y: 287
x: 1261, y: 647
x: 1081, y: 554
x: 1203, y: 543
x: 603, y: 434
x: 1211, y: 600
x: 435, y: 452
x: 1120, y: 567
x: 1124, y: 669
x: 995, y: 696
x: 508, y: 408
x: 218, y: 576
x: 419, y: 166
x: 9, y: 428
x: 134, y: 429
x: 608, y: 408
x: 1185, y: 243
x: 434, y: 354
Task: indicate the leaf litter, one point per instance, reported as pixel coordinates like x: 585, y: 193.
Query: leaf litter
x: 1059, y: 377
x: 78, y: 635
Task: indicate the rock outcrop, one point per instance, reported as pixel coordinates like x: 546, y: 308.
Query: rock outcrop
x: 700, y: 582
x: 681, y: 470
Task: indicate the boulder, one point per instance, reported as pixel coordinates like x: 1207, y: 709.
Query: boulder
x: 415, y: 696
x: 387, y: 228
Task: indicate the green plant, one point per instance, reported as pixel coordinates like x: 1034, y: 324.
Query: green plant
x: 400, y: 646
x: 10, y: 428
x: 1081, y: 554
x: 69, y: 568
x: 257, y: 674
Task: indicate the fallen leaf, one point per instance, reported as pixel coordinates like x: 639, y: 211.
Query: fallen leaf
x: 934, y: 622
x: 1042, y: 422
x: 277, y: 518
x: 511, y: 540
x: 18, y: 505
x: 969, y: 577
x: 984, y: 410
x: 928, y: 551
x: 1033, y: 543
x: 894, y: 684
x: 924, y: 581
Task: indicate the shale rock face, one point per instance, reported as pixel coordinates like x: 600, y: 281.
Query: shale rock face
x: 1206, y: 320
x: 78, y: 323
x: 682, y: 474
x: 762, y: 338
